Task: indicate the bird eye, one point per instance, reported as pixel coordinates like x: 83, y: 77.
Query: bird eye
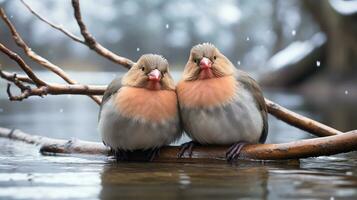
x: 142, y: 68
x: 195, y: 60
x: 215, y: 57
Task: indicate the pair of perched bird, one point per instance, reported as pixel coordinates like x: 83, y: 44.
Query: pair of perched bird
x: 214, y: 103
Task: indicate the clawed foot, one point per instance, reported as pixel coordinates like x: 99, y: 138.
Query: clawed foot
x: 187, y: 147
x: 153, y: 153
x: 234, y: 151
x: 121, y: 155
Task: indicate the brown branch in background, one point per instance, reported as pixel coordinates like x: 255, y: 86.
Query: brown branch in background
x: 93, y: 44
x: 37, y: 58
x: 293, y: 150
x: 10, y: 77
x: 299, y: 121
x: 12, y: 55
x: 58, y: 27
x: 44, y: 88
x: 89, y: 40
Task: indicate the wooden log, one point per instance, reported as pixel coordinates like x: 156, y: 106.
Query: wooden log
x: 325, y: 146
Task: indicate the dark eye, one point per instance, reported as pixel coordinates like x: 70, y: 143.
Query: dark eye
x: 195, y: 60
x: 215, y: 57
x: 142, y: 68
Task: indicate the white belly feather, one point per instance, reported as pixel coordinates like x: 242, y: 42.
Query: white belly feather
x: 120, y: 132
x: 233, y: 122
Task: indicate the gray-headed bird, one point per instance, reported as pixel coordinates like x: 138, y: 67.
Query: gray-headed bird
x: 219, y: 104
x: 140, y: 110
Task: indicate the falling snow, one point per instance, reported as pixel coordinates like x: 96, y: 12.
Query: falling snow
x: 293, y: 32
x: 346, y: 92
x: 61, y: 110
x: 318, y: 63
x: 238, y: 62
x: 248, y: 39
x: 138, y: 49
x: 167, y: 26
x: 1, y: 110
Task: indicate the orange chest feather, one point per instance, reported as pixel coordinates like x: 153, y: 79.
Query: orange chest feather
x: 207, y: 92
x: 151, y: 105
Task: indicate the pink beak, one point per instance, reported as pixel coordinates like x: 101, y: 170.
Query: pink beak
x: 154, y: 75
x: 205, y: 63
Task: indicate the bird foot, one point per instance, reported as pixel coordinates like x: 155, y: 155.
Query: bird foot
x: 187, y: 147
x: 121, y: 155
x: 234, y: 151
x: 153, y: 153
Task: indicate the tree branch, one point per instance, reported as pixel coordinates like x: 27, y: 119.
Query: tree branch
x: 293, y: 150
x: 12, y: 55
x: 299, y: 121
x: 93, y: 44
x: 10, y: 77
x: 37, y: 58
x: 58, y: 27
x: 89, y: 40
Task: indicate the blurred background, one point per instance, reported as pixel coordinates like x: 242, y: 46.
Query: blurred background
x: 304, y: 53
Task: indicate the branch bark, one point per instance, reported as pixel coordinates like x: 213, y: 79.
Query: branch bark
x: 93, y: 44
x: 299, y: 121
x: 293, y: 150
x: 88, y: 40
x: 37, y: 58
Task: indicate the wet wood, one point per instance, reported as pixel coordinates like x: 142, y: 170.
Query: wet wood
x: 299, y: 121
x: 324, y: 146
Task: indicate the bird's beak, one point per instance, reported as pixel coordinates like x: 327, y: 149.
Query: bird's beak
x: 205, y: 63
x: 154, y: 75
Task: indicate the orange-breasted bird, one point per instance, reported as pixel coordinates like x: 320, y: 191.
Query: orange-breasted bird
x: 219, y: 104
x: 140, y: 110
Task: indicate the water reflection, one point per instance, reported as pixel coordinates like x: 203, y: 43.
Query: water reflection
x: 177, y: 181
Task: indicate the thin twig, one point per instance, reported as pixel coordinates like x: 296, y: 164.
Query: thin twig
x: 12, y: 55
x: 9, y: 76
x: 37, y: 58
x: 93, y: 44
x: 58, y: 27
x: 89, y: 40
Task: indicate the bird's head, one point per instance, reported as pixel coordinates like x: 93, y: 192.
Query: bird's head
x: 206, y: 61
x: 151, y: 71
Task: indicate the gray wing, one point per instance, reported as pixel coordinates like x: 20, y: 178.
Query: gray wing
x: 251, y: 85
x: 113, y: 87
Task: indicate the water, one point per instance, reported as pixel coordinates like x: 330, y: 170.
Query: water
x: 25, y: 174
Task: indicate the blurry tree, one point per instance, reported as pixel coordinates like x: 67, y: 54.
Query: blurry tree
x: 338, y: 19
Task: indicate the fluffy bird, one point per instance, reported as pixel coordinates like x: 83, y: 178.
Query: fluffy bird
x: 140, y: 110
x: 219, y: 104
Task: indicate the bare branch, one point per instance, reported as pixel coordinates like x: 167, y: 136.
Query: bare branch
x: 12, y: 55
x: 89, y: 40
x: 293, y: 150
x: 10, y: 76
x: 300, y: 121
x: 93, y: 44
x: 37, y: 58
x: 58, y: 27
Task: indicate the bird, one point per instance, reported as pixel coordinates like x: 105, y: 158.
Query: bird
x: 219, y: 104
x: 139, y: 111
